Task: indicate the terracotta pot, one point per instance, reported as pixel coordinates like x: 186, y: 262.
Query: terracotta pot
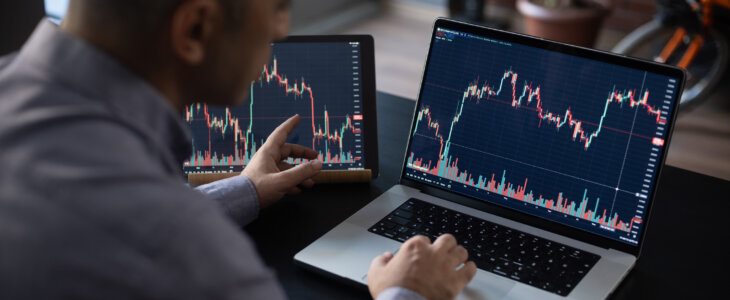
x: 573, y: 25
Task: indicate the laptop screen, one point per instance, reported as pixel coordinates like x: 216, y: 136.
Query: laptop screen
x: 561, y: 137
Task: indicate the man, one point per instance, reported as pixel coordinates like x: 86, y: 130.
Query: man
x: 92, y: 204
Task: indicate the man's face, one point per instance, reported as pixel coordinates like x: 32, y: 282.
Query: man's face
x: 241, y: 53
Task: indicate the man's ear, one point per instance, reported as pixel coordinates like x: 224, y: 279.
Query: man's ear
x: 194, y: 25
x: 281, y: 24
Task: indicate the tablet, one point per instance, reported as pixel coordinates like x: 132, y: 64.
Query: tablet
x: 328, y: 80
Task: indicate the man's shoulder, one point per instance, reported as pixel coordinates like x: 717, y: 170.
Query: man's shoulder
x: 56, y: 138
x: 40, y: 114
x: 7, y: 59
x: 34, y: 101
x: 66, y: 157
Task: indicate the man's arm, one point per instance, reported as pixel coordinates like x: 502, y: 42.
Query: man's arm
x: 213, y: 253
x: 266, y: 178
x: 236, y: 195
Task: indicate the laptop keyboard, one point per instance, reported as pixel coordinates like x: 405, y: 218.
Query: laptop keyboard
x: 527, y: 258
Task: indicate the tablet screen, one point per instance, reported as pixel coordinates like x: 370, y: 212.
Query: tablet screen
x: 322, y: 81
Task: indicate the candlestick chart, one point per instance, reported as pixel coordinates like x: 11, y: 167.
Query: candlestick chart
x: 318, y: 81
x: 560, y: 137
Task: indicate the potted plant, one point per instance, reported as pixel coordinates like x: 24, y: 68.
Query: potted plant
x: 570, y: 21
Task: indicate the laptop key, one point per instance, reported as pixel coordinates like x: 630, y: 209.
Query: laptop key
x: 398, y: 220
x: 386, y: 224
x: 403, y: 213
x: 499, y: 271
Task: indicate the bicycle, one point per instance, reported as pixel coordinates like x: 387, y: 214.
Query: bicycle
x: 691, y: 34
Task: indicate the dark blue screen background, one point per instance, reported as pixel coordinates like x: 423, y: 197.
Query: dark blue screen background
x: 492, y: 137
x: 331, y: 75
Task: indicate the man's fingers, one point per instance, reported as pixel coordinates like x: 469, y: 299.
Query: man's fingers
x: 283, y: 166
x: 381, y: 260
x: 278, y: 137
x: 466, y: 273
x: 299, y: 174
x: 414, y: 243
x: 307, y: 183
x: 459, y: 255
x: 297, y: 151
x: 445, y: 243
x: 294, y: 191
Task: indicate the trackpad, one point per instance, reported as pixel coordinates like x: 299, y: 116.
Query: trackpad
x: 487, y: 286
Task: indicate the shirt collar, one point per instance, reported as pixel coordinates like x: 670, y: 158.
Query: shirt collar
x: 88, y: 70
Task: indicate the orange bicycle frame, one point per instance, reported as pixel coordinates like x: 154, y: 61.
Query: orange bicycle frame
x: 697, y: 40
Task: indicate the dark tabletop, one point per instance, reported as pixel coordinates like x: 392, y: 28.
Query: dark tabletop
x: 685, y: 254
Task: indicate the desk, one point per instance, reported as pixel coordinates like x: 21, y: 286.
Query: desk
x: 685, y: 252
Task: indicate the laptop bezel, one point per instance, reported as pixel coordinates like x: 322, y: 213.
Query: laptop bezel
x: 535, y: 221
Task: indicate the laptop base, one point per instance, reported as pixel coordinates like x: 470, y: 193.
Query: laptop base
x: 347, y: 250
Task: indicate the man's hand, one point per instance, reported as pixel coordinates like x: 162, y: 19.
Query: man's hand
x: 272, y: 177
x: 425, y: 268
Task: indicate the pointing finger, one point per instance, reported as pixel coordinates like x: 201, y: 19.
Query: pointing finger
x: 279, y: 135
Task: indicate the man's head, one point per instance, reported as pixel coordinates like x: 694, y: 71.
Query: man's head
x: 191, y: 50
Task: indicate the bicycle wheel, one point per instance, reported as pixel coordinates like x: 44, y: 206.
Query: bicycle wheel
x: 703, y: 74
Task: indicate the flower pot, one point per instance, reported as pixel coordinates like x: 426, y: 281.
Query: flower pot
x: 576, y: 25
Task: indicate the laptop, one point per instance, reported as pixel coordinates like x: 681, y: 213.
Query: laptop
x: 541, y: 158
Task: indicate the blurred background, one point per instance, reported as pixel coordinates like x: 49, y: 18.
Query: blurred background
x: 401, y: 28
